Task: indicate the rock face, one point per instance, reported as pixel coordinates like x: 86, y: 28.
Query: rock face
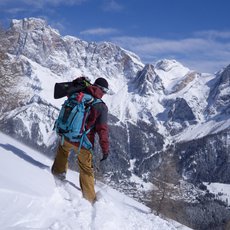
x: 154, y: 110
x: 147, y: 81
x: 219, y: 97
x: 181, y: 111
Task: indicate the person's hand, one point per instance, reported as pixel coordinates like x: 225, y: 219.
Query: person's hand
x: 104, y: 157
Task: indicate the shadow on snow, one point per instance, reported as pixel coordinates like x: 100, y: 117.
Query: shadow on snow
x: 18, y: 152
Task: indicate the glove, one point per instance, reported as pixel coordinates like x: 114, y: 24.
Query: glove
x: 104, y: 157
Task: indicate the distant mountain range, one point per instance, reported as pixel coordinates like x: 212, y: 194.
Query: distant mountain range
x: 159, y: 114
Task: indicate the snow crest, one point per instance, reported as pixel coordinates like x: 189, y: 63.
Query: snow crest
x: 30, y: 199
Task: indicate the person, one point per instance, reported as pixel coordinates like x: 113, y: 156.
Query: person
x: 98, y: 120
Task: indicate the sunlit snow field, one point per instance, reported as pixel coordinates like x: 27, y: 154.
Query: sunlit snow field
x: 30, y: 198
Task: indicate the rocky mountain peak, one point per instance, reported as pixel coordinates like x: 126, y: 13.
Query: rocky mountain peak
x: 167, y: 65
x: 219, y: 97
x: 147, y: 81
x: 37, y: 41
x: 29, y: 24
x: 225, y: 77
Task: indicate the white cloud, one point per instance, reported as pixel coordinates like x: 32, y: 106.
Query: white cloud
x: 204, y: 53
x: 112, y: 5
x: 15, y: 10
x: 156, y: 45
x: 99, y: 31
x: 41, y: 3
x: 213, y: 34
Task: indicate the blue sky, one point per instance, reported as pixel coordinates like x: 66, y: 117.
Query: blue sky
x: 194, y: 32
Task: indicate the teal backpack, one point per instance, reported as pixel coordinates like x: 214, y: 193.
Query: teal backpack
x: 71, y: 121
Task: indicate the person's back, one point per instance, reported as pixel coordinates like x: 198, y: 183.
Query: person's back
x: 98, y: 118
x: 97, y: 123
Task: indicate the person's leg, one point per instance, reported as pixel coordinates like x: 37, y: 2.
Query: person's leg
x: 60, y: 164
x: 86, y: 175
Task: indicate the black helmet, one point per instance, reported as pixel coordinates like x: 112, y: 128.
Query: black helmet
x: 102, y: 83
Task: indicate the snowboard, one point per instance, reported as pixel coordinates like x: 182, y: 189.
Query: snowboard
x: 62, y: 89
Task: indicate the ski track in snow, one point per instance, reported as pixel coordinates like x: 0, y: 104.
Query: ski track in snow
x: 30, y: 198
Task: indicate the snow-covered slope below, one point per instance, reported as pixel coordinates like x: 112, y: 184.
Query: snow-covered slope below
x: 30, y: 199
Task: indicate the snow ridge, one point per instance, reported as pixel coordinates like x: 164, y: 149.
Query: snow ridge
x: 37, y: 202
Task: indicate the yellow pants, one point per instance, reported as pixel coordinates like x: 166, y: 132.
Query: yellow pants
x: 60, y: 165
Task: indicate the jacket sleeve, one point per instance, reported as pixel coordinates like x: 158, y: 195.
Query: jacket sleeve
x: 99, y: 118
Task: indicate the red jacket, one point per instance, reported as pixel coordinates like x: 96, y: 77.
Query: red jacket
x: 98, y: 118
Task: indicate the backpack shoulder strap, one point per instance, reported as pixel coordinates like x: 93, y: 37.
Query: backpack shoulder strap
x: 96, y: 100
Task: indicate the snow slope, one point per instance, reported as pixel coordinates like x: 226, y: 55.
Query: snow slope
x: 30, y: 199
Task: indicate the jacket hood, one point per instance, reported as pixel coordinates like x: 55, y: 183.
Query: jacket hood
x: 95, y: 91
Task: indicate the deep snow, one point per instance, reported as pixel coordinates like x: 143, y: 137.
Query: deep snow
x: 30, y: 198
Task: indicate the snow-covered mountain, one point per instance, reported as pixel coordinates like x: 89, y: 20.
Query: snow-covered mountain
x: 30, y: 198
x: 160, y: 114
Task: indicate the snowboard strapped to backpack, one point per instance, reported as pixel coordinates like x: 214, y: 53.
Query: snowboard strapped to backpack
x: 72, y: 119
x: 64, y: 89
